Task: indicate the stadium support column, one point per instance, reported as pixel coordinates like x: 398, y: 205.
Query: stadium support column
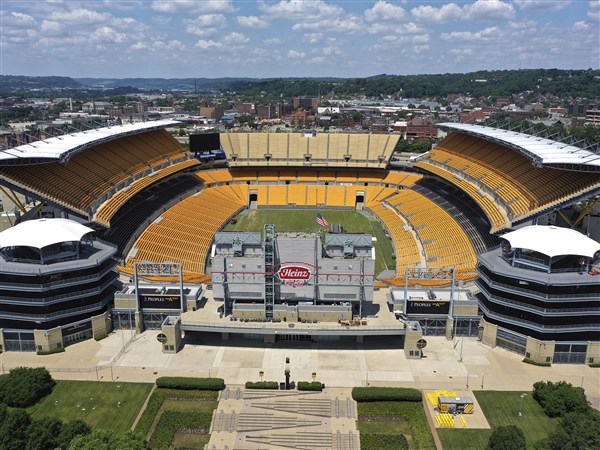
x: 269, y: 237
x: 361, y: 288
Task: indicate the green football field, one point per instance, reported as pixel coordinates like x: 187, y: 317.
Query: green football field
x: 290, y: 220
x: 113, y: 406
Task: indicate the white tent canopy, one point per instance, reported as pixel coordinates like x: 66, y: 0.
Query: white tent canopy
x: 552, y: 241
x: 43, y: 232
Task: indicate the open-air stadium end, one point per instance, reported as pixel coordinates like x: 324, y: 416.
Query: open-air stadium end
x: 145, y: 184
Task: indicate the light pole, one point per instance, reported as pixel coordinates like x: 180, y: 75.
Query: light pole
x: 523, y: 395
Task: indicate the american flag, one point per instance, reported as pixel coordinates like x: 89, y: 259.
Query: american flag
x: 321, y: 221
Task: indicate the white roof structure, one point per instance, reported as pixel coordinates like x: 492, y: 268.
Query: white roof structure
x: 43, y: 232
x: 542, y: 150
x: 552, y: 241
x: 60, y: 147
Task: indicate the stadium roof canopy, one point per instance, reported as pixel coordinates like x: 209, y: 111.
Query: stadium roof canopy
x: 552, y: 241
x: 542, y: 151
x: 61, y: 148
x: 43, y: 232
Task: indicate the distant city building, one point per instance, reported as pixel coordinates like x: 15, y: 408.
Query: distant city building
x: 421, y: 129
x: 211, y: 112
x: 592, y: 117
x: 305, y: 102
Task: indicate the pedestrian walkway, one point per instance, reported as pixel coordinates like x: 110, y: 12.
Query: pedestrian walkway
x: 255, y: 419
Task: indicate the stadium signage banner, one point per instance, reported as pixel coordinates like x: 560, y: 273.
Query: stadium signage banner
x: 293, y: 275
x: 427, y: 307
x: 160, y: 301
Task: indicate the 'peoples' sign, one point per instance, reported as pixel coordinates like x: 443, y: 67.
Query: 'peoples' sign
x: 293, y: 275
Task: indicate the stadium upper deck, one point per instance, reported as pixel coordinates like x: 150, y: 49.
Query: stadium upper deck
x: 309, y: 149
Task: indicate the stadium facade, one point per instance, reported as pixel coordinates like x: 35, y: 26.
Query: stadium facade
x: 293, y: 277
x: 540, y: 295
x: 57, y: 283
x: 157, y: 202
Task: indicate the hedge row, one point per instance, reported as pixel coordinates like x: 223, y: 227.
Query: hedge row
x: 536, y: 363
x: 189, y: 383
x: 377, y: 394
x: 262, y: 385
x: 310, y: 386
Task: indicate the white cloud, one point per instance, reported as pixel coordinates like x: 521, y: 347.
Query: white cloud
x: 194, y: 6
x: 205, y: 25
x: 20, y: 20
x: 594, y: 10
x: 107, y: 35
x: 80, y: 16
x: 491, y: 34
x: 528, y: 5
x: 313, y: 38
x: 236, y: 39
x: 446, y: 13
x: 304, y: 10
x: 272, y: 41
x: 293, y: 54
x: 349, y: 25
x: 382, y: 11
x: 581, y: 26
x: 203, y: 44
x: 489, y: 10
x: 139, y: 46
x: 252, y: 22
x: 50, y: 27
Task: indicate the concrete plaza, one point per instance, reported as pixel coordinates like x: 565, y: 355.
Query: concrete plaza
x: 461, y: 365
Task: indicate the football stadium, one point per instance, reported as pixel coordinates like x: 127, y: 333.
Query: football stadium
x: 300, y: 236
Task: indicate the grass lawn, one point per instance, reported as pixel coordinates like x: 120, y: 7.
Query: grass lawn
x: 501, y: 408
x: 96, y: 403
x: 305, y: 220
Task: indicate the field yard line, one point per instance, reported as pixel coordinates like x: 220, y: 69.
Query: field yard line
x: 143, y: 408
x: 378, y: 248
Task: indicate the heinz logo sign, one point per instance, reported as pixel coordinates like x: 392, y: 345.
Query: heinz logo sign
x: 293, y: 275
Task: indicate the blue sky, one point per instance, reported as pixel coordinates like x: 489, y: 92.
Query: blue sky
x: 304, y: 38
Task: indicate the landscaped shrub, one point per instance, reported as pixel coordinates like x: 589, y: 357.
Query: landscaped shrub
x: 51, y: 352
x: 371, y: 441
x: 557, y: 399
x: 310, y: 386
x: 536, y: 363
x: 101, y: 336
x: 171, y: 422
x: 154, y: 403
x: 376, y: 394
x: 189, y: 383
x: 262, y: 385
x: 24, y: 386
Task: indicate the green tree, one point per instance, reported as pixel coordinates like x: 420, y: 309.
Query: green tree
x: 70, y: 430
x: 14, y: 430
x: 508, y: 437
x: 576, y: 431
x: 43, y: 434
x: 24, y: 386
x: 108, y: 440
x: 557, y: 399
